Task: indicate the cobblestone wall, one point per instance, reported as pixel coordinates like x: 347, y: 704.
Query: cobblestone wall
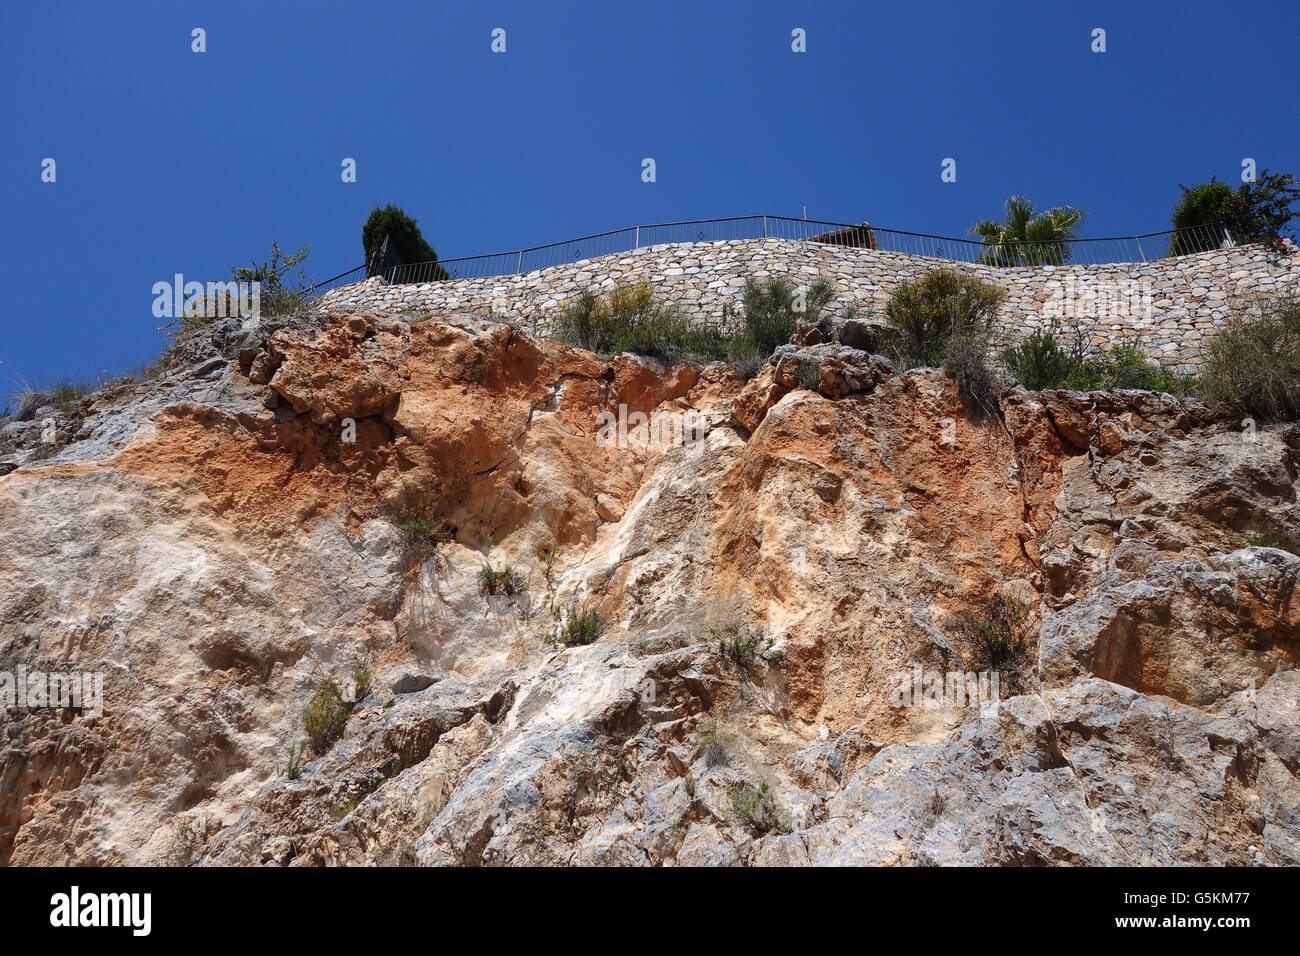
x: 1168, y: 304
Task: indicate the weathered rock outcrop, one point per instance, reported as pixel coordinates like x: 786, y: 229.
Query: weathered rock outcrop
x: 217, y: 543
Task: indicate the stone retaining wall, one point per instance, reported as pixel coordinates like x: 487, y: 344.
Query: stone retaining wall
x: 1168, y: 305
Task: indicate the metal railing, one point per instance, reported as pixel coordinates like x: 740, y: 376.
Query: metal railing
x: 342, y: 279
x: 1120, y: 249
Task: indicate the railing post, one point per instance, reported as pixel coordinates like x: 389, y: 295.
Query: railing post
x: 764, y: 227
x: 637, y: 243
x: 519, y: 268
x: 1140, y: 252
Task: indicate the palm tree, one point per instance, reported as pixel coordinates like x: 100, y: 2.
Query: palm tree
x: 1027, y: 237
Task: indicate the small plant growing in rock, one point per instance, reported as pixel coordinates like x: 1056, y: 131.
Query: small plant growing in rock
x: 999, y: 634
x: 977, y: 384
x: 423, y: 529
x: 549, y: 557
x: 742, y: 646
x: 507, y: 582
x: 294, y: 770
x: 326, y: 716
x: 341, y: 810
x: 715, y: 750
x: 198, y: 830
x: 933, y: 808
x: 744, y: 359
x: 45, y: 450
x: 361, y: 680
x: 577, y: 628
x: 808, y: 376
x: 755, y: 809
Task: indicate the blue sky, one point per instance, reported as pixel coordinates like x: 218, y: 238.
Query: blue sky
x: 172, y: 161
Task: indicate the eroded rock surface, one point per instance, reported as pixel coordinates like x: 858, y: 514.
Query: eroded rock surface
x: 215, y: 549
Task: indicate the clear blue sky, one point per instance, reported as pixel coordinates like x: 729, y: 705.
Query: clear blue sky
x: 173, y: 161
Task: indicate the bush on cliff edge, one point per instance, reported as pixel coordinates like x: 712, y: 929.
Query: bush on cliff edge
x: 630, y: 319
x: 945, y: 319
x: 1039, y: 361
x: 1253, y: 365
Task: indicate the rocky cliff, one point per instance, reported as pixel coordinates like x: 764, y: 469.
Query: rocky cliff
x: 781, y: 594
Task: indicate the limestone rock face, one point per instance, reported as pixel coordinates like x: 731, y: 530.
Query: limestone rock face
x: 771, y: 574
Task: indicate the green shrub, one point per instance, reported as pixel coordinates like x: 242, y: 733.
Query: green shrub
x: 629, y: 319
x: 507, y: 581
x: 1124, y: 366
x: 423, y: 529
x: 45, y: 450
x: 671, y: 337
x: 999, y: 634
x: 1253, y: 212
x: 945, y: 319
x: 1201, y: 207
x: 715, y: 752
x: 1039, y: 362
x: 326, y: 716
x: 926, y: 312
x: 773, y: 310
x: 68, y: 394
x: 1253, y: 365
x: 65, y: 395
x: 934, y: 808
x: 577, y: 628
x: 586, y: 323
x: 340, y: 810
x: 755, y: 809
x: 743, y: 646
x: 744, y: 357
x: 549, y: 558
x: 149, y: 370
x: 282, y: 281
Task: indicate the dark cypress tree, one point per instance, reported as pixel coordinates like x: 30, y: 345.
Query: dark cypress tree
x: 406, y: 242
